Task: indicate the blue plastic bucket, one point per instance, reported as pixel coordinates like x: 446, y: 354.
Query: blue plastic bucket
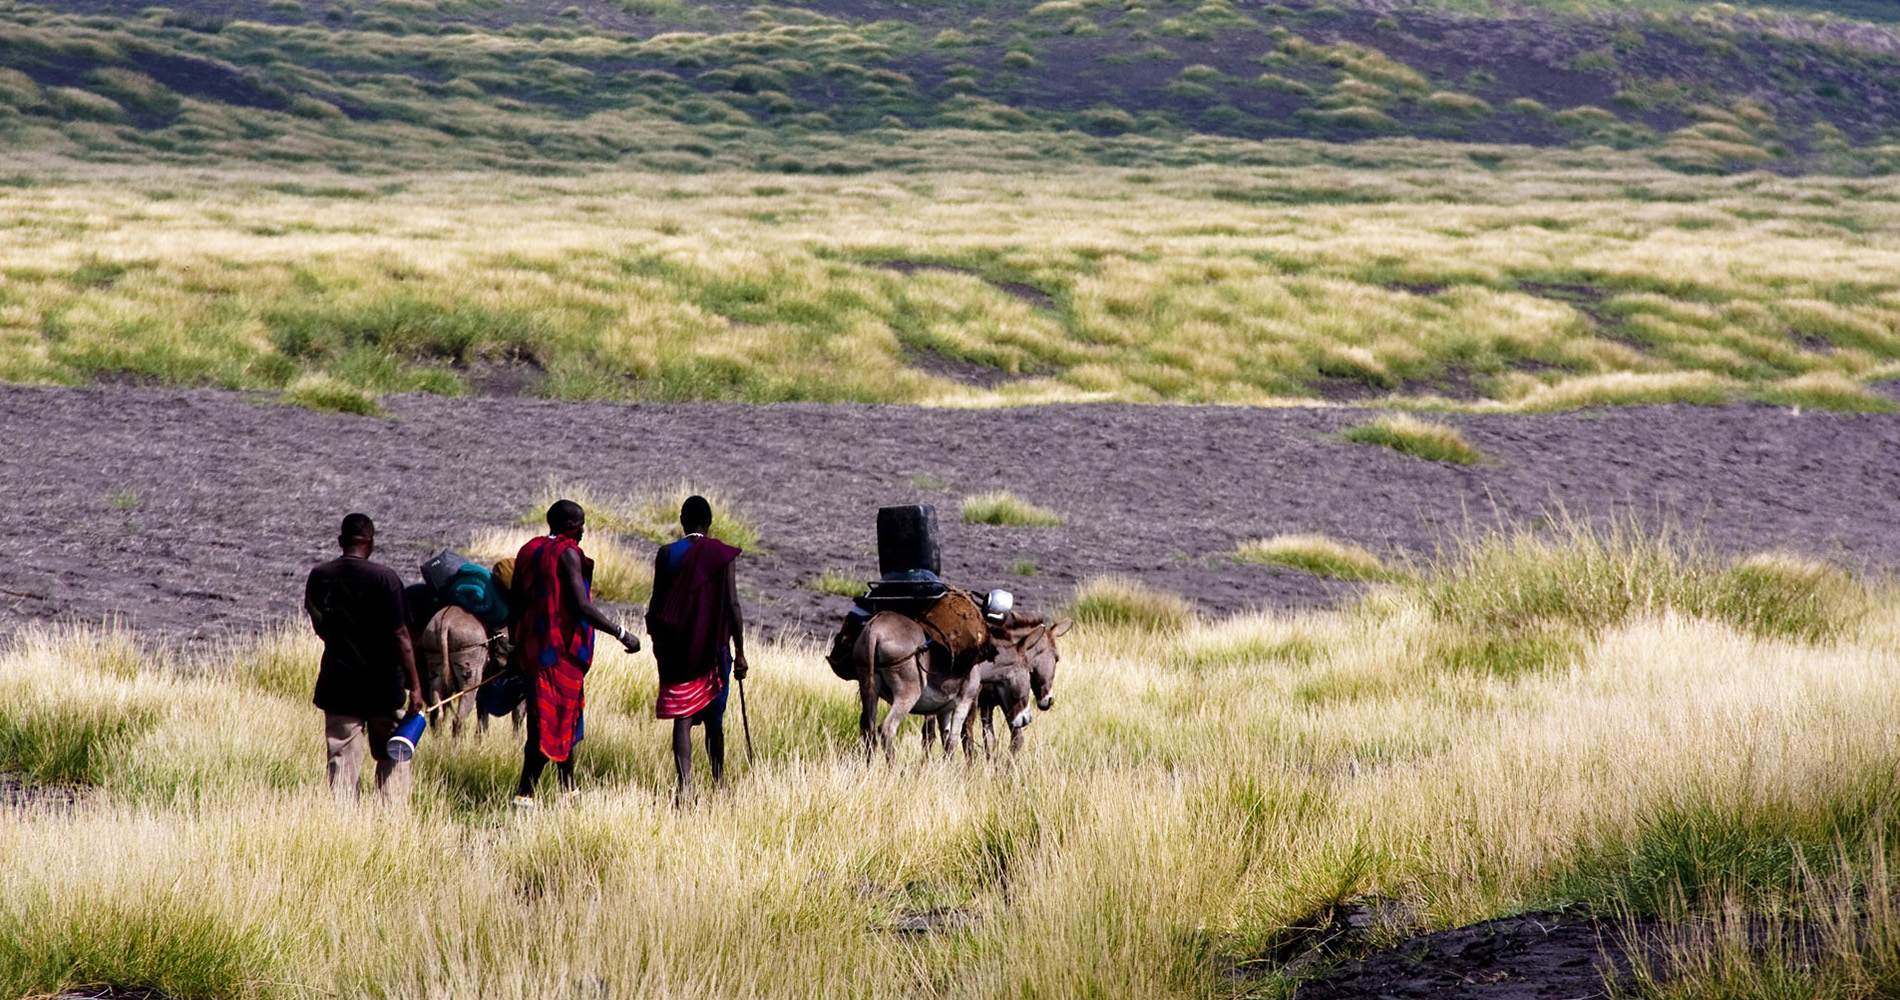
x: 402, y: 746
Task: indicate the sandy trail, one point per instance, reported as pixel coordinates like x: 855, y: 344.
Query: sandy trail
x: 195, y: 513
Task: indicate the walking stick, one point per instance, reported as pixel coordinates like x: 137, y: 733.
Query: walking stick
x: 745, y: 722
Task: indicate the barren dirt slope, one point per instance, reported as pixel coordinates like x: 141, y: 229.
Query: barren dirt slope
x: 195, y: 513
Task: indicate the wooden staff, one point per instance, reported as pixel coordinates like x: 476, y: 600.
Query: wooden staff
x: 745, y: 722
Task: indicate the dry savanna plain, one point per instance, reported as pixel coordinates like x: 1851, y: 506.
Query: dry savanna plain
x: 1670, y: 751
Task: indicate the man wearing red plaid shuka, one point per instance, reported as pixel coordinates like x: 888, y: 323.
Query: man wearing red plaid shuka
x: 554, y: 643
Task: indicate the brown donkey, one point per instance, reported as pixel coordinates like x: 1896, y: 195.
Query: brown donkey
x: 895, y: 662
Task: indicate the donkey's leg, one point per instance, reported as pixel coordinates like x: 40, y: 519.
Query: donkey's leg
x: 960, y: 711
x: 929, y: 729
x: 906, y: 689
x: 867, y: 714
x: 944, y: 718
x: 969, y: 730
x: 1025, y: 714
x: 902, y: 701
x: 462, y: 710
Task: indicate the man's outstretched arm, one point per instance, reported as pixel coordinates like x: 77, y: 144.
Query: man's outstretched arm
x: 574, y: 585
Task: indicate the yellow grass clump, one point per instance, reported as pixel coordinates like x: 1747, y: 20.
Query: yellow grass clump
x: 623, y: 570
x: 838, y: 582
x: 1005, y: 508
x: 1409, y: 435
x: 1319, y: 555
x: 652, y: 513
x: 1124, y: 601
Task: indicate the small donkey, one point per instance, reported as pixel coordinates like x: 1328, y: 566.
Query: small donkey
x: 1020, y: 681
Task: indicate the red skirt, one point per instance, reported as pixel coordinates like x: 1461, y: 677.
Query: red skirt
x: 685, y: 699
x: 557, y: 704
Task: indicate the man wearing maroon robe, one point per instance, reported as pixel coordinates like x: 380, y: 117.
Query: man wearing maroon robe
x: 698, y: 638
x: 554, y: 643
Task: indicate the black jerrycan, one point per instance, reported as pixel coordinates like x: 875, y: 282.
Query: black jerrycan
x: 907, y: 540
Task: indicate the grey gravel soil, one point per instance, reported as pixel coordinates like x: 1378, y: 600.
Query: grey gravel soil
x: 194, y: 514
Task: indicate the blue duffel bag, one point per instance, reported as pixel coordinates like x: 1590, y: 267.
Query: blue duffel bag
x: 475, y: 590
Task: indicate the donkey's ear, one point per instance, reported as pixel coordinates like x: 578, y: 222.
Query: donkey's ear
x: 1061, y: 628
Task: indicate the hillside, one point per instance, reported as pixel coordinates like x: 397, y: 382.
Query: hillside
x: 1468, y: 206
x: 843, y: 86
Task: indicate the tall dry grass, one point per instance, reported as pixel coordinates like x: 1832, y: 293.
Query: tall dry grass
x: 1198, y: 789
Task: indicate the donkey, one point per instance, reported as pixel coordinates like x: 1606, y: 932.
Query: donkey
x: 456, y: 654
x: 1025, y: 666
x: 894, y: 662
x: 1020, y: 681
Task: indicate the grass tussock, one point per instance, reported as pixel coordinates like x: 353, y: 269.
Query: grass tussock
x: 1839, y: 939
x: 326, y: 392
x: 280, y: 662
x: 1691, y: 388
x: 1002, y: 507
x: 148, y: 939
x: 1718, y: 751
x: 1522, y: 598
x: 1826, y: 391
x: 623, y: 567
x: 1119, y: 601
x: 1409, y: 435
x: 652, y: 513
x: 1319, y: 555
x: 837, y: 582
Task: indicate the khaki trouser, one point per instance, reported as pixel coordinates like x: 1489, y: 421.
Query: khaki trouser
x: 345, y: 737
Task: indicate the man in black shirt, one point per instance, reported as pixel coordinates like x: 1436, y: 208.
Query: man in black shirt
x: 369, y: 665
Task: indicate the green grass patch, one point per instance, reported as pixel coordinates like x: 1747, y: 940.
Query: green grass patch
x: 1253, y: 650
x: 67, y: 742
x: 1508, y: 653
x: 282, y: 662
x: 1826, y: 391
x: 154, y: 941
x: 1318, y: 555
x: 842, y: 583
x: 652, y: 513
x: 1520, y: 584
x: 1766, y: 851
x: 318, y: 391
x: 1124, y: 602
x: 1408, y: 435
x: 1002, y: 507
x: 401, y: 325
